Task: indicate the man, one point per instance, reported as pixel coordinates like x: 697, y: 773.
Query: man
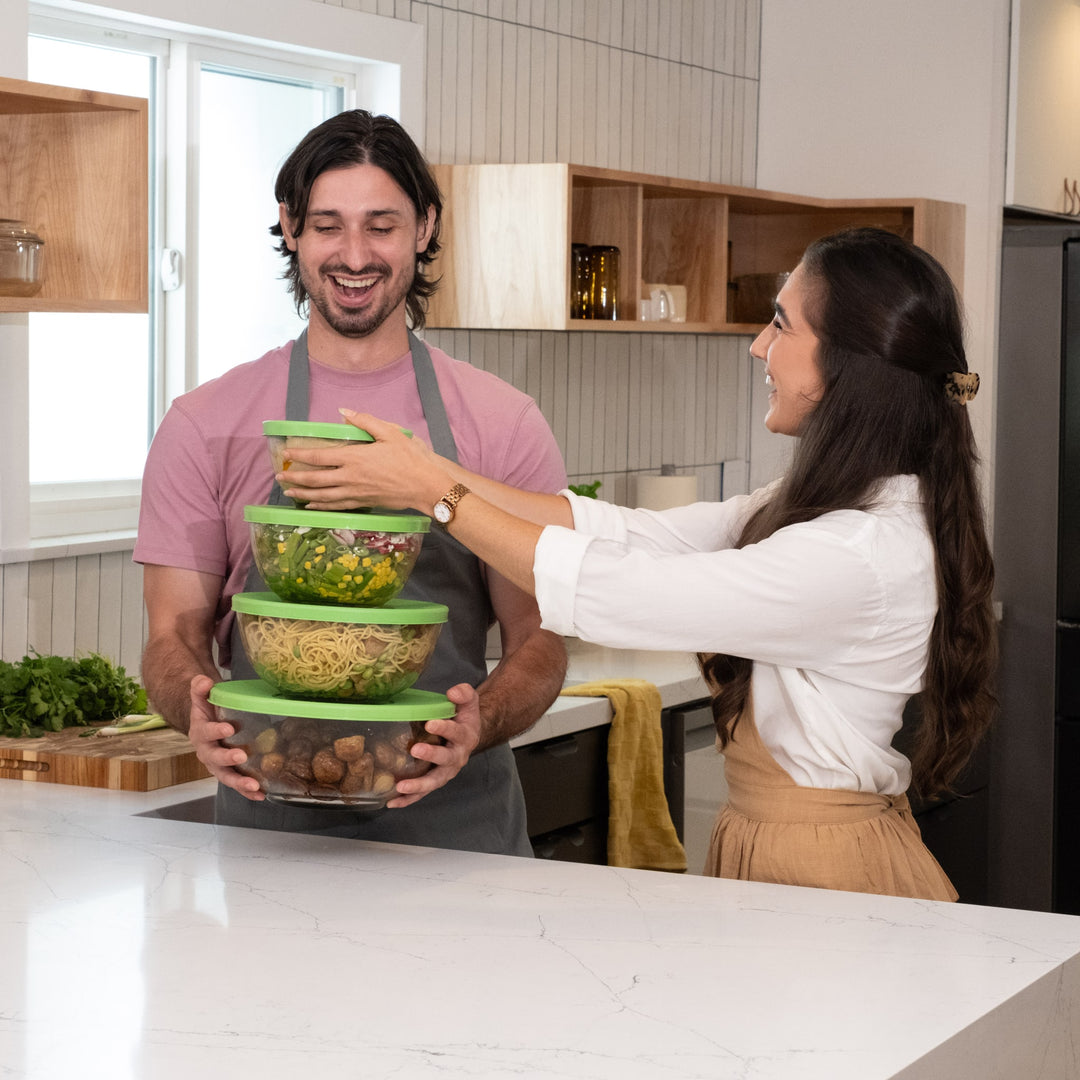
x: 359, y: 218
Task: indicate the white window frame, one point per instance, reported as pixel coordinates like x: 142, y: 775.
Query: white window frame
x: 389, y: 78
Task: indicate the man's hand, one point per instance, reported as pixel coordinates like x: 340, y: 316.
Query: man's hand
x: 461, y: 735
x: 206, y: 732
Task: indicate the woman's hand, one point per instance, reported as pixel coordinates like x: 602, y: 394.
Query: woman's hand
x: 461, y: 735
x: 207, y: 731
x: 395, y: 471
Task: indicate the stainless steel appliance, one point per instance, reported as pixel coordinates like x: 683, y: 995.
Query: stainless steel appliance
x: 703, y: 787
x: 1035, y: 776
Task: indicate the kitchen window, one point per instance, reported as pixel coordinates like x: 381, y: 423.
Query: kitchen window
x: 226, y: 107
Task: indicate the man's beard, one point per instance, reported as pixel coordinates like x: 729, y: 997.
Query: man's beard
x: 355, y: 324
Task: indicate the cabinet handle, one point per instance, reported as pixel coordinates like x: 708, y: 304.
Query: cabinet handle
x: 562, y: 748
x: 546, y: 849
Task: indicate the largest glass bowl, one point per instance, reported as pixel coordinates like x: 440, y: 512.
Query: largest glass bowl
x: 340, y: 653
x: 316, y: 557
x: 330, y: 754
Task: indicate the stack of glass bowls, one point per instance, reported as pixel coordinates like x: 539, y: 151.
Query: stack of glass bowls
x: 332, y: 718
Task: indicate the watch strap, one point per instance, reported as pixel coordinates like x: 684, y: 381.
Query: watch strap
x: 451, y: 499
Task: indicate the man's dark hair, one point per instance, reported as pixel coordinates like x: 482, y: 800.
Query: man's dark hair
x: 356, y: 137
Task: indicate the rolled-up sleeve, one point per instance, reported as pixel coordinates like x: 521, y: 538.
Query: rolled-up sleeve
x: 557, y: 564
x: 807, y: 594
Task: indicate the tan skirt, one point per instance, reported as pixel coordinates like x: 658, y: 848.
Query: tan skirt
x: 772, y: 830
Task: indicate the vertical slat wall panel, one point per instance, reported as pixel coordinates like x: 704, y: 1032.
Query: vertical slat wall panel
x: 13, y: 613
x: 64, y: 605
x: 662, y: 86
x: 132, y: 628
x: 39, y: 610
x: 74, y: 605
x: 87, y: 602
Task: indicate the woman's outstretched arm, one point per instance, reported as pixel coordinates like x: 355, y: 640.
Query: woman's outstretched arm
x: 500, y: 524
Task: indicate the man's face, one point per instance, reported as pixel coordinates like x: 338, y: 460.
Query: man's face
x: 357, y: 252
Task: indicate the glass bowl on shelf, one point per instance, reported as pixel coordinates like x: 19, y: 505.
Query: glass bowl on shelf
x: 22, y: 259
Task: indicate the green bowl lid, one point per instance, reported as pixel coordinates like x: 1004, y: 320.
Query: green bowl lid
x: 392, y: 613
x: 255, y: 696
x: 358, y: 521
x: 313, y: 430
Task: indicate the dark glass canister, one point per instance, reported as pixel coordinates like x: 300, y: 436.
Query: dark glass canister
x: 603, y: 282
x: 579, y: 281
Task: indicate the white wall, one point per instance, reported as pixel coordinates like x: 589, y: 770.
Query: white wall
x: 878, y: 98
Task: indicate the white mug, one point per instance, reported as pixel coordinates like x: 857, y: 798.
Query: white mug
x: 666, y: 303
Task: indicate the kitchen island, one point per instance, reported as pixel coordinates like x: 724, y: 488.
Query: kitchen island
x: 138, y: 945
x: 140, y: 948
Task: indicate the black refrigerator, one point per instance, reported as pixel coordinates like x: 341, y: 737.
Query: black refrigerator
x: 1035, y: 761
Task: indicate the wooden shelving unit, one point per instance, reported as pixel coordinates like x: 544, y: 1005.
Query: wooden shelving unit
x: 73, y: 165
x: 508, y: 231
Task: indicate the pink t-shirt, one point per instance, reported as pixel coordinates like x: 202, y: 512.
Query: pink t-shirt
x: 209, y: 458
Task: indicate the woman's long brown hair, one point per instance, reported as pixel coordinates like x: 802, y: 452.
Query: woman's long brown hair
x: 888, y: 321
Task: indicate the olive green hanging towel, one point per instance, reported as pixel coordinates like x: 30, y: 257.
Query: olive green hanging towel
x: 641, y: 833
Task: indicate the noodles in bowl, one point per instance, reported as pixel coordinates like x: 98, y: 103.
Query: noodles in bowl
x: 340, y: 653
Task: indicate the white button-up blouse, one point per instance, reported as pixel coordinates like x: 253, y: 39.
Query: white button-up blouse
x: 836, y: 614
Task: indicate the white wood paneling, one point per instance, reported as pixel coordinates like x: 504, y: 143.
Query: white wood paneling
x: 72, y: 606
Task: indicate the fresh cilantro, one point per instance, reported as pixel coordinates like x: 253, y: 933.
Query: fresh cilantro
x: 50, y: 693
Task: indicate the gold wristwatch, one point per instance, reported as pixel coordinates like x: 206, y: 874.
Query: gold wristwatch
x: 443, y: 511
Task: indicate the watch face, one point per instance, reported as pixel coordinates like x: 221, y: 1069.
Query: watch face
x: 443, y: 513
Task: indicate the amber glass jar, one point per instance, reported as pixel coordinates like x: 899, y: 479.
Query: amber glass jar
x: 603, y: 282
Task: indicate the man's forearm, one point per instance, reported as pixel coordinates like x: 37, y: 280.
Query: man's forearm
x: 521, y: 688
x: 168, y: 666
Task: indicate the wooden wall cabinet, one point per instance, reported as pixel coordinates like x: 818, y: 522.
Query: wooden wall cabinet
x: 73, y: 165
x: 508, y: 232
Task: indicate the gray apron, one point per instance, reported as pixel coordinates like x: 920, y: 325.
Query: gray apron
x: 482, y: 808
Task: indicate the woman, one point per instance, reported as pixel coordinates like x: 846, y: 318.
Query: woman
x: 818, y: 605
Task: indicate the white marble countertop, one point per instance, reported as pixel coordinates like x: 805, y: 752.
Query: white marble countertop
x: 137, y: 948
x: 141, y: 948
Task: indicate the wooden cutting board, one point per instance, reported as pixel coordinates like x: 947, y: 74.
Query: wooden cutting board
x: 144, y: 761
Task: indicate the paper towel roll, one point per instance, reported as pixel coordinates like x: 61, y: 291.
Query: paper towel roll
x: 663, y: 492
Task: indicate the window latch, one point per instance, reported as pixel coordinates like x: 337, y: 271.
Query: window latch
x: 171, y: 260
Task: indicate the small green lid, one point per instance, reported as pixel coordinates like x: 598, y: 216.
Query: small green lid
x: 255, y: 696
x: 312, y: 430
x: 392, y: 613
x: 357, y: 521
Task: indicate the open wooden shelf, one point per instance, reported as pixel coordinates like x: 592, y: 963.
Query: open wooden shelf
x: 508, y: 232
x: 73, y: 165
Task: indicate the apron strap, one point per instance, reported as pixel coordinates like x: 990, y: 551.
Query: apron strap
x: 442, y: 438
x: 296, y: 396
x: 296, y: 400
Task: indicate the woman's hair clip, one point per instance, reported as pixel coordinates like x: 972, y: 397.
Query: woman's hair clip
x: 961, y: 386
